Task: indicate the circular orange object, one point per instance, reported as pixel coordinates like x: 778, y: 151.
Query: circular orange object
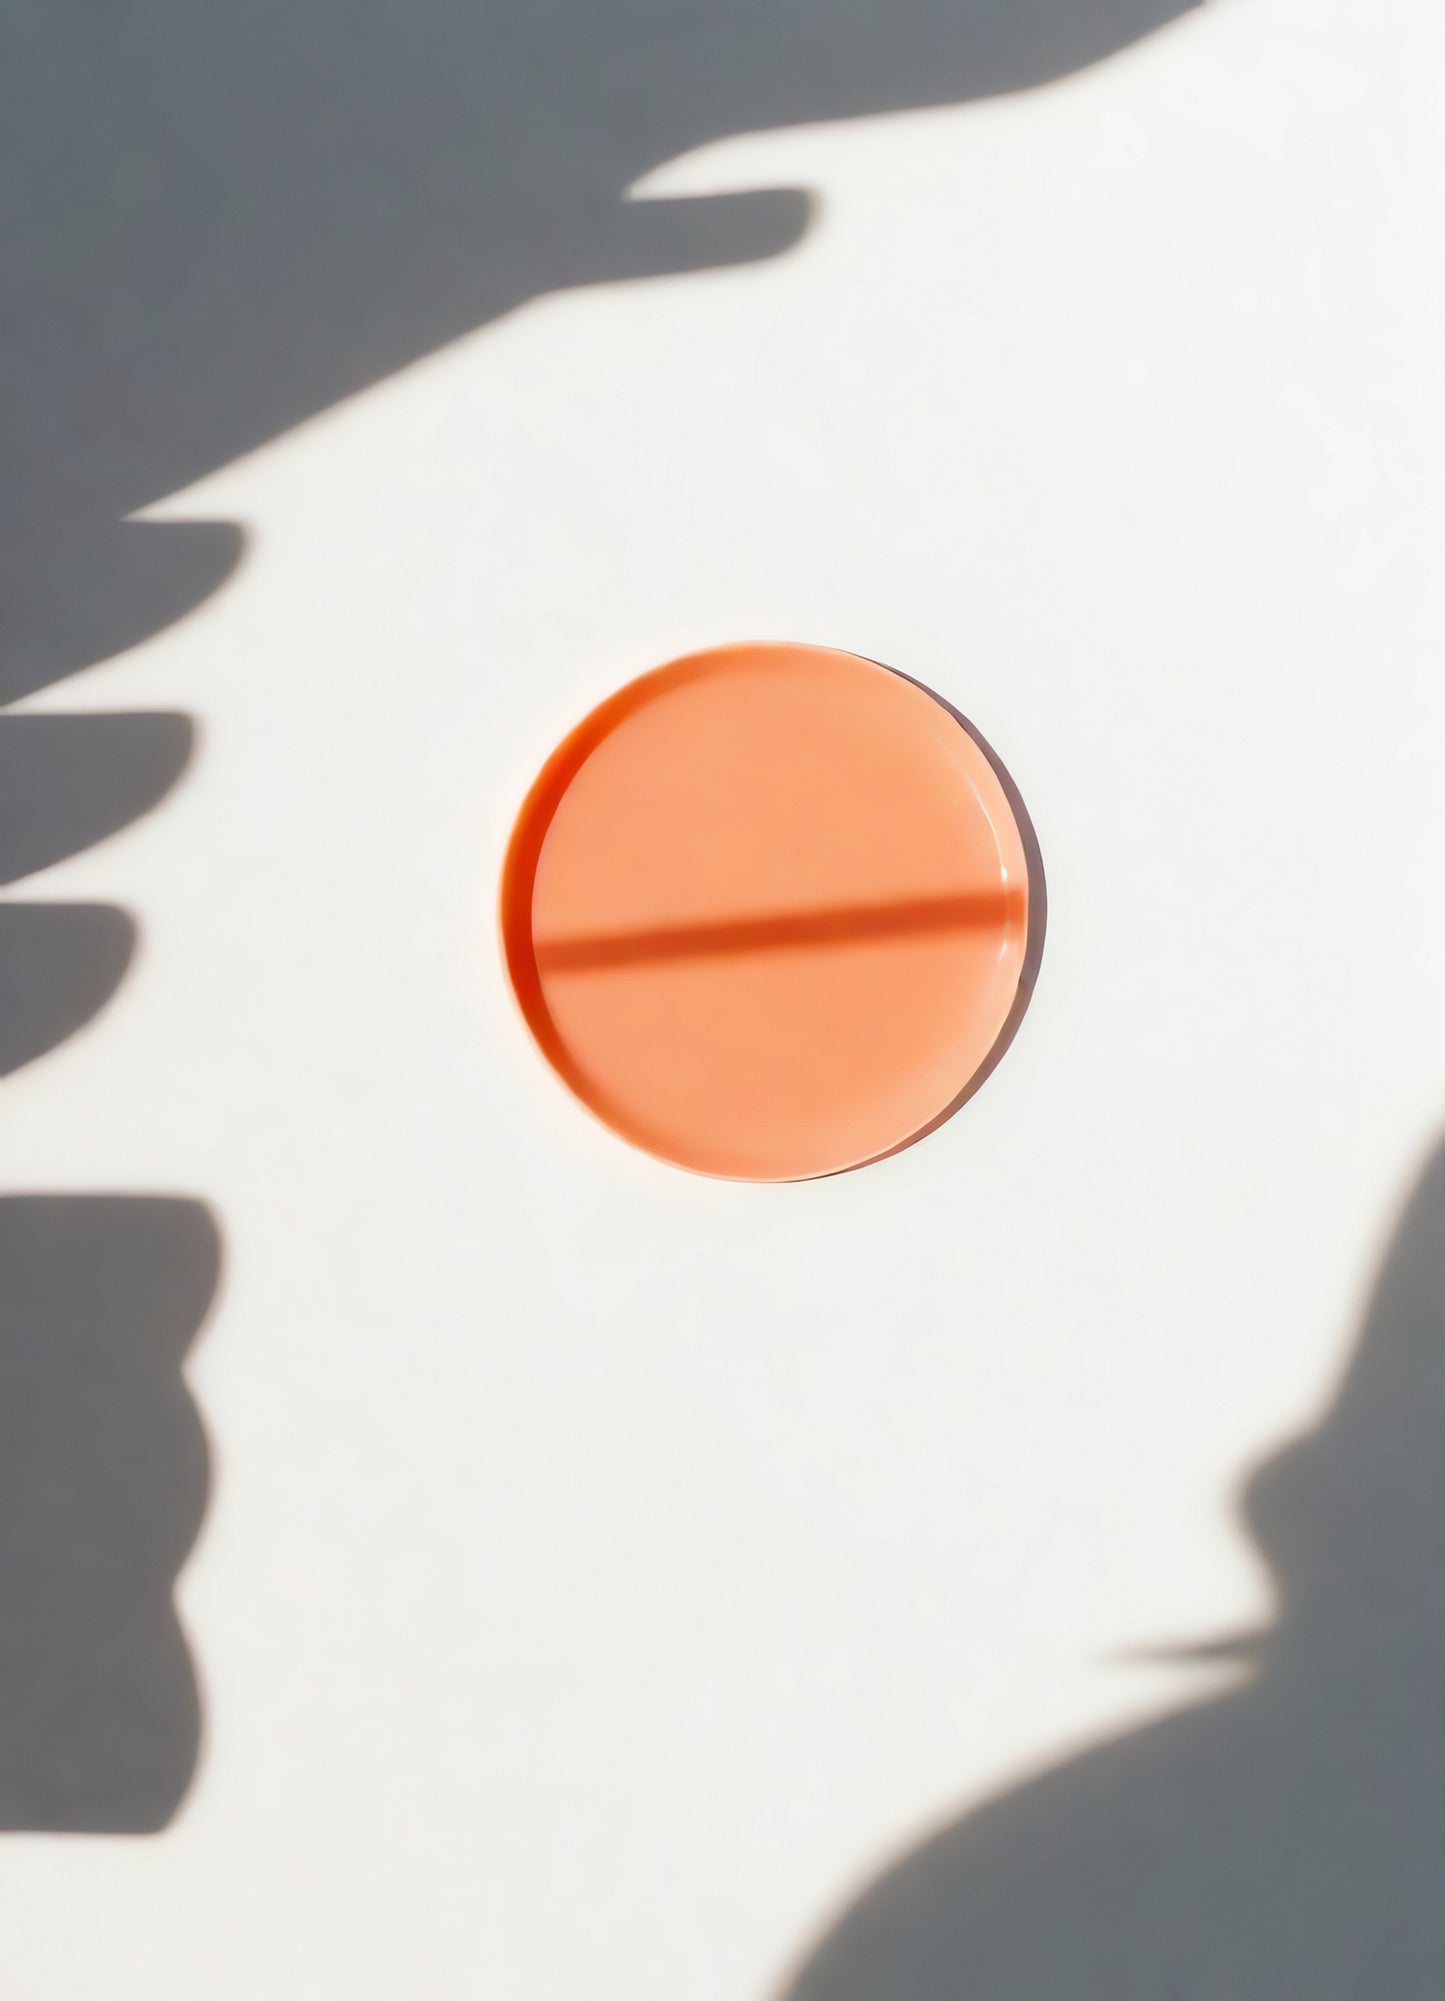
x: 767, y: 911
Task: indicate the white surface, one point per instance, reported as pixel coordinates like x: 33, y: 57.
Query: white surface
x: 606, y: 1570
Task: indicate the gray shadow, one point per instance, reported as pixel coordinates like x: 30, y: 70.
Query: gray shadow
x: 69, y: 781
x: 59, y: 964
x: 92, y: 587
x: 103, y: 1477
x: 219, y: 221
x: 1282, y: 1842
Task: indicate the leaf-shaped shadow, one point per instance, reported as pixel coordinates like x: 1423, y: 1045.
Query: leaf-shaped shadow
x: 59, y: 964
x: 103, y: 1479
x: 67, y: 782
x: 225, y: 220
x: 1280, y: 1841
x: 97, y: 589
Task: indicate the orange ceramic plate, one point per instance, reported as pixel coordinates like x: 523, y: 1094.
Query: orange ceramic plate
x: 767, y: 911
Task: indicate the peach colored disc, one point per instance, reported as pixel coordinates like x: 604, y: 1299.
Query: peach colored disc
x: 766, y: 911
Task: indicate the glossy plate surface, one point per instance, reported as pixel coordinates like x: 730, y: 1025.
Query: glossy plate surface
x: 766, y: 911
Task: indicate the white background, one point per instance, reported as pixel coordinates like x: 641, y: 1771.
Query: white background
x: 608, y: 1570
